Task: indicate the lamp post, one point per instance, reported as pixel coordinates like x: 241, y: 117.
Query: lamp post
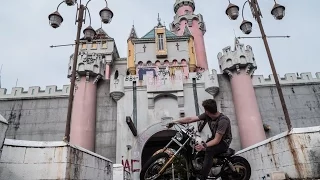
x: 55, y: 20
x: 278, y: 12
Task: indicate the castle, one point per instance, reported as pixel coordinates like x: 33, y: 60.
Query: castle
x: 122, y: 104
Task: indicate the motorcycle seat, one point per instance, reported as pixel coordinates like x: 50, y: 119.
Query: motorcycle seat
x: 228, y: 153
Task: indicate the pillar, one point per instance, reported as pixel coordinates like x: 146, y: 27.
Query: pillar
x: 240, y: 65
x: 246, y: 109
x: 83, y: 121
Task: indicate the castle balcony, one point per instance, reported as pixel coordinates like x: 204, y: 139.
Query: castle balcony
x: 117, y: 87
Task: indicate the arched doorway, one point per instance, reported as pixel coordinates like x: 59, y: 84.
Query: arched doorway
x: 156, y: 142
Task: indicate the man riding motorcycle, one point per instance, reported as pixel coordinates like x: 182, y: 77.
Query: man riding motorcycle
x: 220, y: 127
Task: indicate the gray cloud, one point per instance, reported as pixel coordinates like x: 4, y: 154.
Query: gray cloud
x: 26, y: 35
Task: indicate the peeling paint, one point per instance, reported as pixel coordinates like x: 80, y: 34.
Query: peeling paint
x: 298, y: 166
x: 273, y: 154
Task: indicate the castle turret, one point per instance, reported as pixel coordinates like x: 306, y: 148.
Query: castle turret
x: 131, y: 63
x: 94, y: 62
x: 185, y: 17
x: 240, y: 65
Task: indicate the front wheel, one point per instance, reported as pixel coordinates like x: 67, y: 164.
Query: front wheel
x: 242, y: 167
x: 152, y: 167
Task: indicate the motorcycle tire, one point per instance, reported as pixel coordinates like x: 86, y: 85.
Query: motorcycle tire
x: 150, y: 161
x: 240, y: 160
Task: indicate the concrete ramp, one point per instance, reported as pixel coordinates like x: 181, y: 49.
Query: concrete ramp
x: 37, y: 160
x: 294, y: 155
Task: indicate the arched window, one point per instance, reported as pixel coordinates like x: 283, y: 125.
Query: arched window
x: 116, y: 74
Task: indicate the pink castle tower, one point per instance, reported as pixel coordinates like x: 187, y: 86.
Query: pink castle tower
x: 93, y: 64
x: 240, y: 65
x: 184, y: 19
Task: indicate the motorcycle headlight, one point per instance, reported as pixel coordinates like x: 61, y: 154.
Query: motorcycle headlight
x: 179, y: 136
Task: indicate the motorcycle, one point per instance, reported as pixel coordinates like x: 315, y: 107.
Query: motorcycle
x: 185, y: 162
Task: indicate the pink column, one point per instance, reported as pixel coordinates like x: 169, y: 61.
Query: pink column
x: 199, y: 45
x: 107, y: 75
x: 247, y: 110
x: 83, y: 122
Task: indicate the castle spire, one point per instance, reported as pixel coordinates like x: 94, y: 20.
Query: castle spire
x: 159, y: 21
x: 133, y: 33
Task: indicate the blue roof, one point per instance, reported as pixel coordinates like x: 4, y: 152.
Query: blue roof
x: 151, y: 34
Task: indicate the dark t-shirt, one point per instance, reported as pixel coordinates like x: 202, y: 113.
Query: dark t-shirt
x: 219, y: 125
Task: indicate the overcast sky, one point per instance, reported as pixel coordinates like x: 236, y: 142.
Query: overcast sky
x: 26, y: 35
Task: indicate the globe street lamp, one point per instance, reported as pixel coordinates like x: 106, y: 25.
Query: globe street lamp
x: 55, y: 20
x: 278, y: 12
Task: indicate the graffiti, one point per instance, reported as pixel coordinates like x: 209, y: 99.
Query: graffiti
x: 162, y: 81
x: 143, y: 71
x: 163, y: 72
x: 129, y: 166
x: 90, y: 58
x: 198, y: 76
x: 131, y: 78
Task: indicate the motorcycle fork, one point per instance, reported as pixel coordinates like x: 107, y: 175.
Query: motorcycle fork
x: 173, y: 156
x: 228, y: 163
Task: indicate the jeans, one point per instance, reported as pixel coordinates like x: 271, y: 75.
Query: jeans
x: 210, y: 153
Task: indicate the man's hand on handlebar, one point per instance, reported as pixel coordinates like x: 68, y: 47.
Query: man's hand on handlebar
x: 169, y: 125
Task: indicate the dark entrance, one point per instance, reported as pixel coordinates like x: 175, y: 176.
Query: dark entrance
x: 156, y: 142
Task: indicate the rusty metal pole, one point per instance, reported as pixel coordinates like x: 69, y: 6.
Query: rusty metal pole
x: 73, y: 75
x: 254, y: 4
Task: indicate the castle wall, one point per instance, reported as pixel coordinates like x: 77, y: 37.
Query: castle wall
x: 303, y: 103
x: 37, y: 119
x: 42, y: 117
x: 106, y: 122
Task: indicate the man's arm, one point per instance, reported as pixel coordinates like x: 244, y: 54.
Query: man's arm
x: 187, y: 120
x: 215, y: 141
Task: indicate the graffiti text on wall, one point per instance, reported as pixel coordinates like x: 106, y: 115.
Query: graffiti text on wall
x: 129, y: 166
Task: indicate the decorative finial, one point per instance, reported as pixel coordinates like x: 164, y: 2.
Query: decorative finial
x: 159, y: 20
x: 0, y: 74
x: 236, y: 40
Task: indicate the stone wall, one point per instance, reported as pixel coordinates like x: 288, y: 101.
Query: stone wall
x: 303, y: 103
x: 38, y: 119
x: 3, y: 130
x: 296, y: 154
x: 42, y: 117
x: 106, y: 122
x: 51, y: 160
